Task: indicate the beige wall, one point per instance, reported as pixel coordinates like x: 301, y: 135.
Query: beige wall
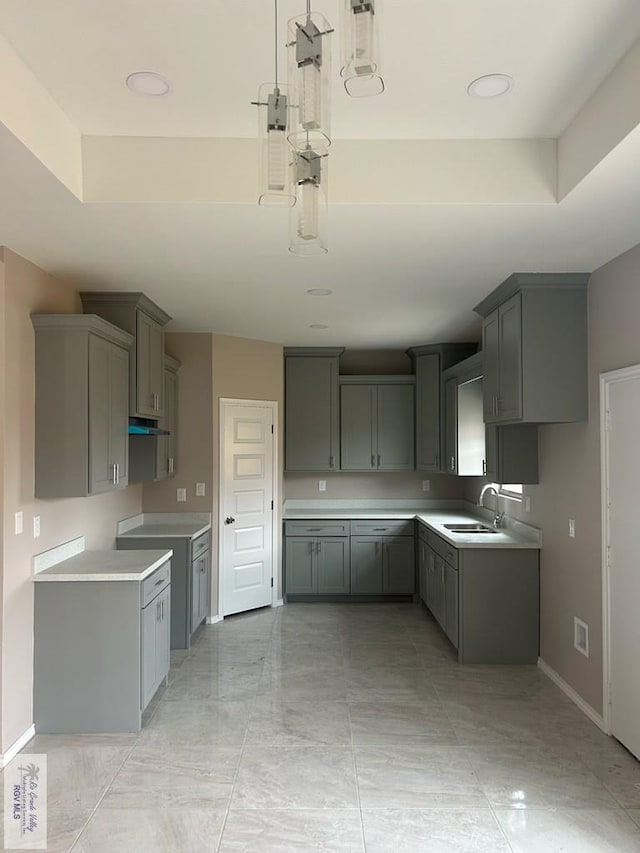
x: 28, y: 290
x: 343, y: 485
x: 245, y: 370
x: 569, y: 456
x: 194, y: 461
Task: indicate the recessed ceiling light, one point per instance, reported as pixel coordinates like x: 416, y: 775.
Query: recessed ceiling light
x: 318, y: 326
x: 319, y: 291
x: 490, y: 86
x: 148, y: 83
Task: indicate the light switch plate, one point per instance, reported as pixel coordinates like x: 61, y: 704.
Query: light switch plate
x: 200, y: 490
x: 181, y: 495
x: 426, y: 485
x: 322, y: 485
x: 36, y: 526
x: 572, y: 528
x: 18, y: 523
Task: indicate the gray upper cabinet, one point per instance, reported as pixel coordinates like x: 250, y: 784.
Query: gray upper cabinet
x: 153, y: 457
x: 511, y: 453
x: 377, y: 423
x: 311, y: 409
x: 535, y: 349
x: 142, y: 318
x: 82, y: 386
x: 464, y: 424
x: 429, y: 362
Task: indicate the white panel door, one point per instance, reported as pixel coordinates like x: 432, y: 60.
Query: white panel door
x: 247, y: 507
x: 624, y: 559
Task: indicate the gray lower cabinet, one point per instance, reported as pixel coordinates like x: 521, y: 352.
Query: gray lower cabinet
x: 486, y: 600
x: 377, y: 430
x: 312, y: 440
x: 81, y: 407
x: 383, y: 565
x: 317, y: 565
x: 190, y: 580
x: 101, y: 650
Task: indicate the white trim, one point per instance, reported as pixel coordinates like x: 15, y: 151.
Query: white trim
x: 275, y: 482
x: 213, y: 620
x: 278, y: 603
x: 15, y: 747
x: 606, y: 380
x: 557, y: 679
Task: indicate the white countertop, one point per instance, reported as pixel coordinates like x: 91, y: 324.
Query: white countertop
x: 105, y: 566
x: 514, y: 535
x: 189, y: 525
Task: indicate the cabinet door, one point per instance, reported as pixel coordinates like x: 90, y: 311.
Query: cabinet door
x: 439, y: 602
x: 171, y: 419
x: 510, y: 371
x: 358, y: 428
x: 396, y: 428
x: 491, y: 434
x: 300, y: 574
x: 204, y: 596
x: 311, y: 413
x: 119, y: 413
x: 451, y: 603
x: 451, y: 426
x: 196, y: 607
x: 101, y: 470
x: 422, y: 571
x: 149, y: 367
x: 366, y: 565
x: 150, y: 621
x: 333, y: 565
x: 399, y: 566
x: 490, y: 366
x: 428, y: 412
x: 163, y: 636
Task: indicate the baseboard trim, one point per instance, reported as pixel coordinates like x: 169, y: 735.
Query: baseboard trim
x: 213, y: 620
x: 557, y: 679
x: 15, y: 748
x: 278, y: 603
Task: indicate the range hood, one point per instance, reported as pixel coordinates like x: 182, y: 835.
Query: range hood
x: 145, y: 426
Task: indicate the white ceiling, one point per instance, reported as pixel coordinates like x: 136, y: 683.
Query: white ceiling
x: 401, y: 274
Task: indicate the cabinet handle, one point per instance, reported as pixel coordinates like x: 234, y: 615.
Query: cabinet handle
x: 171, y: 464
x: 377, y: 548
x: 379, y: 460
x: 484, y: 467
x: 158, y: 612
x: 319, y: 546
x: 158, y: 582
x: 162, y: 611
x: 332, y: 461
x: 437, y: 460
x: 373, y: 461
x: 453, y: 463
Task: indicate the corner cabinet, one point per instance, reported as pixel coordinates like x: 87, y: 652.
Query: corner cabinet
x: 142, y: 318
x: 82, y: 412
x: 153, y: 457
x: 311, y: 409
x: 377, y: 423
x: 534, y: 336
x: 429, y: 362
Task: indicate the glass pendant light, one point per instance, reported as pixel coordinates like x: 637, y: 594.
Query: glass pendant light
x: 309, y: 81
x: 308, y: 219
x: 276, y: 189
x: 360, y: 50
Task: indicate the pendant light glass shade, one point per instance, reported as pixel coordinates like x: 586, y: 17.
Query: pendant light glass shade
x: 308, y: 44
x: 308, y: 219
x: 276, y: 189
x: 360, y: 48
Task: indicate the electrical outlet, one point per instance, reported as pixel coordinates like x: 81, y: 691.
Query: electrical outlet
x: 426, y: 485
x: 200, y: 490
x: 572, y: 528
x: 181, y: 495
x: 527, y: 503
x: 322, y: 485
x: 36, y: 526
x: 581, y: 636
x: 18, y: 523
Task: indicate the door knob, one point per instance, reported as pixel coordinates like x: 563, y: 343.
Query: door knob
x: 229, y: 519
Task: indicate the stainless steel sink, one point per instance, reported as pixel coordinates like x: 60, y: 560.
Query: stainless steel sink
x: 469, y: 528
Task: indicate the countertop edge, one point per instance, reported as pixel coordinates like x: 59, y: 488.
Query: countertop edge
x: 51, y: 576
x: 131, y: 534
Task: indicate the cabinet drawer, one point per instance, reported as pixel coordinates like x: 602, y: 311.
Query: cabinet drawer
x: 199, y: 545
x: 317, y: 528
x: 448, y: 553
x: 400, y: 527
x: 155, y: 583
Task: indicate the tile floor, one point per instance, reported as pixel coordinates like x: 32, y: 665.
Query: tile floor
x: 344, y: 729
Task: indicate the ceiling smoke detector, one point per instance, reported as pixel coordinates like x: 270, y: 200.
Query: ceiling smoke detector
x: 148, y: 83
x: 490, y: 86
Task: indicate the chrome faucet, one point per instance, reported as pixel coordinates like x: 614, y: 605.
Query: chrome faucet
x: 497, y: 519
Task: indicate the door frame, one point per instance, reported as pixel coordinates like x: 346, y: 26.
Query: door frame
x: 608, y: 379
x: 226, y: 402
